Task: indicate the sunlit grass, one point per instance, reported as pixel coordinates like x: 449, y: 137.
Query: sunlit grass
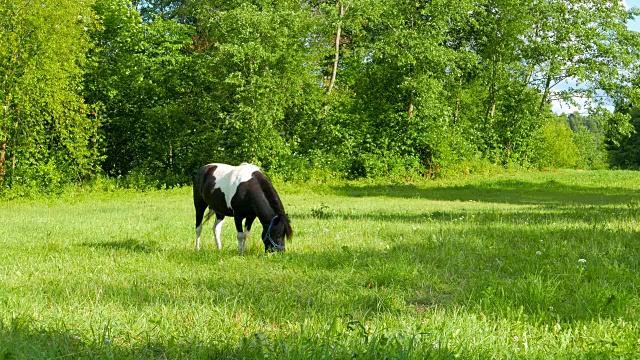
x: 532, y: 266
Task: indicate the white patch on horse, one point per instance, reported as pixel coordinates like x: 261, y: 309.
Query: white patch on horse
x: 221, y: 169
x: 229, y: 182
x: 217, y: 229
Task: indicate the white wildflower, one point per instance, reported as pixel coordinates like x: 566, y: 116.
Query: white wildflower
x: 582, y: 261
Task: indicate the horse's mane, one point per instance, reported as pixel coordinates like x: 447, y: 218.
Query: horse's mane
x: 270, y: 193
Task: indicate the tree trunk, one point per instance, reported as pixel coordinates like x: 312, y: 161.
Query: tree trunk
x: 170, y: 156
x: 492, y: 101
x: 456, y: 112
x: 492, y: 92
x: 545, y: 95
x: 3, y: 152
x: 336, y: 58
x: 13, y: 168
x: 14, y: 142
x: 3, y: 142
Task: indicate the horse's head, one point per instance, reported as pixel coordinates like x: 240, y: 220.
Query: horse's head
x: 274, y: 235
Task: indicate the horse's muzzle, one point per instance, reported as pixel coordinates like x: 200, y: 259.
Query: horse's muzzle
x: 273, y: 249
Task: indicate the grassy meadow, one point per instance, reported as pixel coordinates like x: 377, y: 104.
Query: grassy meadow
x: 532, y: 266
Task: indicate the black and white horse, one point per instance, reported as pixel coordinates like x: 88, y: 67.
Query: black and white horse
x: 244, y: 193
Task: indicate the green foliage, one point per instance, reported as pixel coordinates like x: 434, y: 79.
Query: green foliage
x: 556, y: 148
x: 155, y: 89
x: 591, y: 149
x: 47, y: 134
x: 136, y: 79
x: 626, y: 153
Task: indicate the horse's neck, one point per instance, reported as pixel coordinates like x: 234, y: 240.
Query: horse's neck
x: 266, y: 210
x: 266, y: 214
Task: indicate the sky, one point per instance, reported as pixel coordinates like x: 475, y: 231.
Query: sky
x: 560, y: 107
x: 635, y: 24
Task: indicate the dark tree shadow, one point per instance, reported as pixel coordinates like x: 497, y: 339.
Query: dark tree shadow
x: 21, y: 339
x: 492, y: 276
x: 129, y: 244
x: 498, y: 276
x: 501, y: 191
x: 544, y: 214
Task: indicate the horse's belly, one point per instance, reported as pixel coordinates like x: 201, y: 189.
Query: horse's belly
x: 218, y: 203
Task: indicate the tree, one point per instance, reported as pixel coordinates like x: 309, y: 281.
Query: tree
x: 260, y: 58
x: 47, y: 135
x: 136, y: 78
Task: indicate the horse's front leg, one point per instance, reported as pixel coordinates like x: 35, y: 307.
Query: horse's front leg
x: 247, y: 226
x: 242, y: 236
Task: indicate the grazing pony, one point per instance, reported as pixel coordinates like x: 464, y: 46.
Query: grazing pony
x: 244, y: 193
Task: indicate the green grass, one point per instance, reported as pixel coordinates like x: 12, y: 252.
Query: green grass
x: 482, y: 267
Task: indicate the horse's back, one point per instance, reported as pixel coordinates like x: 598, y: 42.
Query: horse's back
x: 217, y: 184
x: 218, y: 170
x: 238, y: 174
x: 212, y: 170
x: 205, y: 179
x: 229, y: 182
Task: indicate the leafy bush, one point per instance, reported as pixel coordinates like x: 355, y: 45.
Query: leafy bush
x: 591, y: 150
x: 555, y: 147
x: 626, y: 154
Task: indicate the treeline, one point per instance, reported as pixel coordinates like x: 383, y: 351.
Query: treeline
x: 152, y: 90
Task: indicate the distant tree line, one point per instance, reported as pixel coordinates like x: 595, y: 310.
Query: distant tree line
x: 151, y: 90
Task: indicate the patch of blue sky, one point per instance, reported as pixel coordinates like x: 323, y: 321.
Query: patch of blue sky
x: 635, y: 23
x: 582, y: 105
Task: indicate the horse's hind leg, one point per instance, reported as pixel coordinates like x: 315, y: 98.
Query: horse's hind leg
x: 217, y: 229
x: 201, y: 207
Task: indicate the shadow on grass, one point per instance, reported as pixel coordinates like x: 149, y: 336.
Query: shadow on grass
x: 481, y: 266
x: 544, y: 214
x: 508, y: 272
x: 129, y: 244
x: 21, y: 339
x: 500, y: 191
x: 501, y: 279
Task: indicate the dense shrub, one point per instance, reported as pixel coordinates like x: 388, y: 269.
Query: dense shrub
x: 591, y: 149
x: 555, y: 147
